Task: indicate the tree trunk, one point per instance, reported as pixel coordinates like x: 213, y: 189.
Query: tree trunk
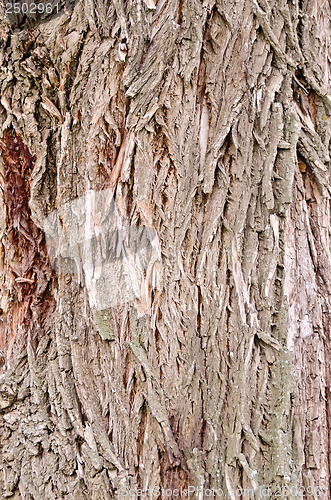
x: 165, y: 250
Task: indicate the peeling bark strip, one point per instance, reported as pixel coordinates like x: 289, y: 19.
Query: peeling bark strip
x: 25, y: 271
x: 209, y: 120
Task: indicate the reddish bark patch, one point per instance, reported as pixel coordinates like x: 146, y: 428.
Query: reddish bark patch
x: 26, y: 264
x: 173, y: 478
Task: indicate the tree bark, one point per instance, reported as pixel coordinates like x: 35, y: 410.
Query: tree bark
x: 203, y: 127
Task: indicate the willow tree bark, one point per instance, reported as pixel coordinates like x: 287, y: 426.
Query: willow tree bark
x: 207, y: 121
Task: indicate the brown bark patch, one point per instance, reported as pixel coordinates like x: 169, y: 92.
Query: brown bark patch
x: 27, y: 270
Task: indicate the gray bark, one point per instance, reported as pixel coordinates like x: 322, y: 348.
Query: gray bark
x: 208, y: 125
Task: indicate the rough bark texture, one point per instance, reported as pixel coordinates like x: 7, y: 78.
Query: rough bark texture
x: 209, y: 122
